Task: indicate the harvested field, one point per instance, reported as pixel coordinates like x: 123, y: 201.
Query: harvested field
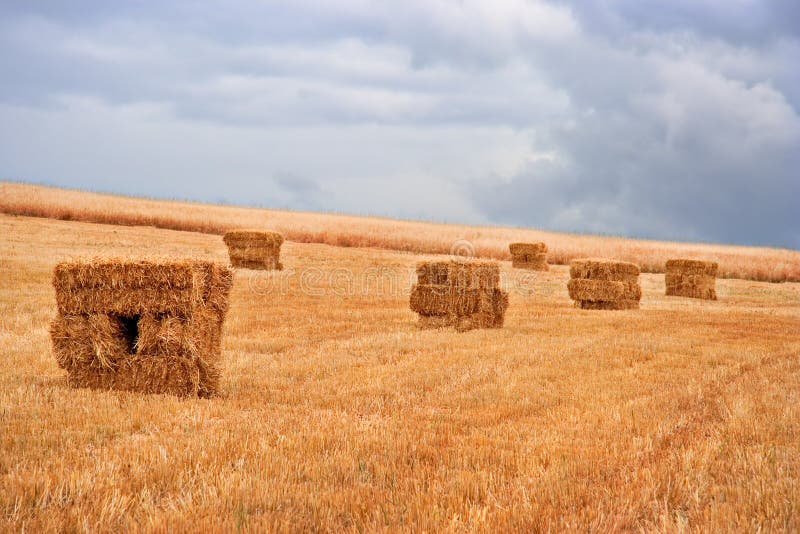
x: 336, y: 413
x: 752, y: 263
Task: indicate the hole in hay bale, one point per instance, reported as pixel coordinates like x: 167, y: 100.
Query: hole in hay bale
x: 130, y: 329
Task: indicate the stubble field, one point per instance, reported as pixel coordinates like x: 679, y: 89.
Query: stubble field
x: 338, y: 414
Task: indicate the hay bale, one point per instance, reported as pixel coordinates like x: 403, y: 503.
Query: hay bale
x: 684, y: 266
x: 114, y: 331
x: 254, y: 249
x: 603, y: 290
x: 601, y: 284
x: 461, y: 294
x: 531, y: 256
x: 473, y: 274
x: 691, y: 278
x: 603, y: 269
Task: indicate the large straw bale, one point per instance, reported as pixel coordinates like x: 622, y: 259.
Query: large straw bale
x: 254, y: 249
x: 601, y: 284
x: 691, y: 278
x: 458, y: 293
x: 141, y: 339
x: 531, y: 256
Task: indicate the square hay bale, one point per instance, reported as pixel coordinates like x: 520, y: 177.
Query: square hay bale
x: 691, y: 278
x: 603, y: 290
x: 531, y: 256
x: 603, y: 269
x: 254, y: 249
x: 461, y: 294
x: 152, y: 326
x: 601, y: 284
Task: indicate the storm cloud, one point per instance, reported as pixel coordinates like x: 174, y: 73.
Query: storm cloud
x: 670, y: 120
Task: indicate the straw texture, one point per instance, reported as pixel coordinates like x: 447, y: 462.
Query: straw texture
x: 465, y: 295
x: 254, y: 249
x: 114, y: 331
x: 602, y: 284
x: 691, y: 278
x: 531, y: 256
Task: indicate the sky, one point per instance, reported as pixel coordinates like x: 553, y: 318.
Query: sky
x: 671, y: 120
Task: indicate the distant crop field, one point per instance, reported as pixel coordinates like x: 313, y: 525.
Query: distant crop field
x: 336, y: 413
x: 752, y: 263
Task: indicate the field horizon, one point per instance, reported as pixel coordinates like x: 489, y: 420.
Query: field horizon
x: 760, y: 263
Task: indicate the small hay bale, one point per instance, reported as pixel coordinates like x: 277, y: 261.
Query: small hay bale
x: 691, y: 278
x: 531, y: 256
x: 115, y: 331
x: 601, y: 284
x: 461, y: 294
x: 254, y: 249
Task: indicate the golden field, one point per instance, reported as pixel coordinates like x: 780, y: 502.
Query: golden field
x: 338, y: 414
x: 751, y: 263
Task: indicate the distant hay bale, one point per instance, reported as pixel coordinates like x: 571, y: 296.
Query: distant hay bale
x: 254, y: 249
x: 601, y: 284
x: 465, y: 295
x: 691, y: 278
x: 531, y: 256
x: 149, y: 326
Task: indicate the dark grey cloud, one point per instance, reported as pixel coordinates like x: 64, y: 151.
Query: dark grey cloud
x: 673, y: 136
x: 663, y: 119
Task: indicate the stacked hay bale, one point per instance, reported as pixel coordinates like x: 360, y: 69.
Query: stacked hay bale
x: 691, y: 278
x: 254, y: 249
x: 532, y: 256
x: 463, y: 294
x: 148, y: 326
x: 600, y: 284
